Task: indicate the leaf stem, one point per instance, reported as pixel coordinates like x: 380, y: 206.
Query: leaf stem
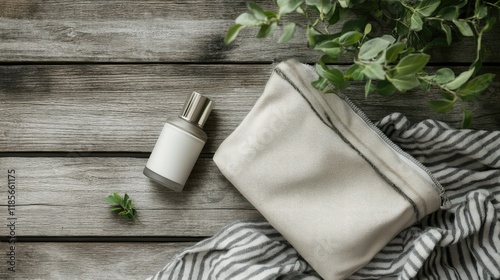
x: 440, y: 86
x: 437, y: 18
x: 496, y: 5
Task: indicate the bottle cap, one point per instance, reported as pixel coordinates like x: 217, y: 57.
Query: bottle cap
x: 196, y: 109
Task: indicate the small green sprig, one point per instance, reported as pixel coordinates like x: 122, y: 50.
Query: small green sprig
x: 123, y: 206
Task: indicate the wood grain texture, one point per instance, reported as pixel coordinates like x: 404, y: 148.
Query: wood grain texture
x: 156, y: 31
x: 132, y: 31
x: 122, y: 108
x: 88, y: 260
x: 89, y: 107
x: 65, y: 196
x: 94, y: 107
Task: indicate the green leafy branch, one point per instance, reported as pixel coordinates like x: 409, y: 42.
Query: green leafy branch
x: 390, y: 63
x: 124, y: 206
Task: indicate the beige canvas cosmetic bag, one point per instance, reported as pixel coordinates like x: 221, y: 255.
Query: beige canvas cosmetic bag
x: 323, y: 175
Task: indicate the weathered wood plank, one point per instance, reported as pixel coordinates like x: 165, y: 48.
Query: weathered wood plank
x: 65, y: 196
x: 161, y: 40
x: 154, y: 31
x: 88, y: 108
x: 123, y: 9
x: 96, y: 107
x: 128, y: 31
x: 88, y: 260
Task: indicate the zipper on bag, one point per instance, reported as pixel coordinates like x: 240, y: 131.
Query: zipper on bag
x: 438, y: 188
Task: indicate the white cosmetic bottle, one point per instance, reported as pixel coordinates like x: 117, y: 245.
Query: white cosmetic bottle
x: 180, y: 144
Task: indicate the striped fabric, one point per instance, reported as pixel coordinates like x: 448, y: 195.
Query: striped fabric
x: 459, y: 242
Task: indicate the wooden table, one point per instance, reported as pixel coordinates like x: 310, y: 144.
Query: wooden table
x: 85, y: 87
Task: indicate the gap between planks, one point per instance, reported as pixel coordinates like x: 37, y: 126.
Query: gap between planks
x: 106, y: 239
x: 98, y: 154
x: 76, y: 260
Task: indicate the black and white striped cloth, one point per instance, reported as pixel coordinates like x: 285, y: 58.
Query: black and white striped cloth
x: 460, y: 242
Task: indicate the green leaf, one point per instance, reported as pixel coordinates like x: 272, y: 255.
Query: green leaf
x: 127, y: 205
x: 416, y: 22
x: 270, y: 14
x: 447, y: 31
x: 247, y: 19
x: 342, y: 85
x: 463, y: 27
x: 477, y: 64
x: 355, y: 72
x: 448, y: 13
x: 326, y: 59
x: 350, y: 38
x: 111, y: 200
x: 467, y: 119
x: 336, y: 14
x: 257, y: 11
x: 385, y: 88
x: 460, y: 80
x: 460, y: 3
x: 232, y: 33
x: 357, y: 24
x: 393, y: 51
x: 118, y: 198
x: 475, y: 86
x: 124, y: 213
x: 312, y: 34
x: 378, y: 13
x: 480, y: 10
x: 333, y: 75
x: 328, y: 44
x: 442, y: 105
x: 448, y: 95
x: 403, y: 26
x: 371, y: 48
x: 266, y: 30
x: 287, y: 34
x: 368, y: 29
x: 288, y: 6
x: 407, y: 51
x: 323, y: 6
x: 404, y: 83
x: 388, y: 38
x: 489, y: 23
x: 424, y: 85
x: 443, y: 76
x: 332, y: 48
x: 427, y: 7
x: 412, y: 64
x: 374, y: 71
x: 115, y: 209
x: 344, y: 3
x: 320, y: 38
x: 320, y: 84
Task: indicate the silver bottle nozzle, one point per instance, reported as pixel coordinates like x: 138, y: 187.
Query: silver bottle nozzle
x: 196, y: 109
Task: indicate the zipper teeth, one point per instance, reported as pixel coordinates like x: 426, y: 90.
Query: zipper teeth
x: 437, y: 186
